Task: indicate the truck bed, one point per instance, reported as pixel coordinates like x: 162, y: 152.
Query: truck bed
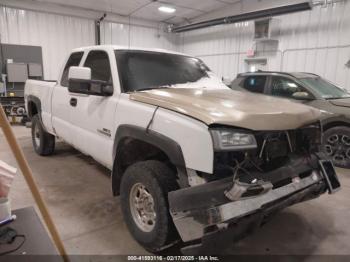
x: 41, y: 91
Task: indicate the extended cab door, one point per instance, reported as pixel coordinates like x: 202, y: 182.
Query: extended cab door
x: 93, y: 116
x: 61, y: 108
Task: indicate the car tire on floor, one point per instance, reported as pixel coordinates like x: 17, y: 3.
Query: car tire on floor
x: 43, y: 142
x: 144, y: 201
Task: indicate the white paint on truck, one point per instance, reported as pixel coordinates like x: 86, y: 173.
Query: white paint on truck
x: 79, y: 125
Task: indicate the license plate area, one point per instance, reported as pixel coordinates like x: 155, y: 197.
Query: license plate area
x: 330, y: 175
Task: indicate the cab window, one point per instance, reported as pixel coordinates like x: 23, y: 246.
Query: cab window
x: 73, y: 60
x: 284, y: 87
x: 254, y: 84
x: 98, y: 61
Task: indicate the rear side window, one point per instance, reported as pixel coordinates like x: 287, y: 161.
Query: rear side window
x: 98, y: 61
x: 73, y: 60
x: 254, y: 84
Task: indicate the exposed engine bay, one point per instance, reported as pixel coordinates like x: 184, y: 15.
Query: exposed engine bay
x: 274, y: 150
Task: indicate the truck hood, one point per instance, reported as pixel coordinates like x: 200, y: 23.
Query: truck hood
x: 233, y: 108
x: 344, y: 102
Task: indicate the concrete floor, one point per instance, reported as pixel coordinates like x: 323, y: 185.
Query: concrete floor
x: 77, y: 191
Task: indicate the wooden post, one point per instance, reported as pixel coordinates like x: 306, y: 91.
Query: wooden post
x: 27, y: 173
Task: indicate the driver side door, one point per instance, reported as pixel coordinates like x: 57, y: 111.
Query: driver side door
x: 285, y: 87
x: 61, y: 97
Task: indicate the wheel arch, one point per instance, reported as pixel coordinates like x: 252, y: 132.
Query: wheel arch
x: 134, y: 143
x: 33, y: 106
x: 335, y: 123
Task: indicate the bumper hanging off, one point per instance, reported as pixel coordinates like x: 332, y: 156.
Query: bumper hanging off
x: 216, y: 219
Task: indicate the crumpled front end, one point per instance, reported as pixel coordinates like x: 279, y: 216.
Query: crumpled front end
x: 250, y: 186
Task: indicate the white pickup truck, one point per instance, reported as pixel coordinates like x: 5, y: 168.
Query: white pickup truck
x: 191, y: 159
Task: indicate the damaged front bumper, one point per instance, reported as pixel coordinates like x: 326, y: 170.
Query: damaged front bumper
x: 204, y: 216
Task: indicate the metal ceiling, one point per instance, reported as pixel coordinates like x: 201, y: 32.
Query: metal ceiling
x: 148, y: 9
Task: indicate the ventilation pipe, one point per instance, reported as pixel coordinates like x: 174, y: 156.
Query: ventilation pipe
x: 281, y: 10
x: 98, y: 29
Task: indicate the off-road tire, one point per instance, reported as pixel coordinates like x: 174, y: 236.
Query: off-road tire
x: 159, y: 180
x: 43, y: 142
x: 336, y: 142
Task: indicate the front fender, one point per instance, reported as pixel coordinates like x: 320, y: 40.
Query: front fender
x: 170, y: 147
x: 192, y: 136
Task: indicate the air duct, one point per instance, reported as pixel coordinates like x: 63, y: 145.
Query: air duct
x: 281, y: 10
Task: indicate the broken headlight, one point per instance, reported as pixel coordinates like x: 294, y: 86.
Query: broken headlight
x: 231, y: 140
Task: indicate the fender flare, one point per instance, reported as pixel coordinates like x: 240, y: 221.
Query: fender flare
x: 37, y: 102
x: 170, y: 147
x: 335, y: 121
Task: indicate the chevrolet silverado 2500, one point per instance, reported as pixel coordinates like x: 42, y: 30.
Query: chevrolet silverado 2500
x: 191, y: 159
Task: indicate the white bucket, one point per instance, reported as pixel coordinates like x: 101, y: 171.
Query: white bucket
x: 5, y: 209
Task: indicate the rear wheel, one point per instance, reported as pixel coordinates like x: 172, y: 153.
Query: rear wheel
x: 144, y: 190
x: 43, y: 142
x: 336, y: 145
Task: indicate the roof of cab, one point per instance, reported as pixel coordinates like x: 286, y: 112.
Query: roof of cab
x: 118, y: 47
x: 292, y: 74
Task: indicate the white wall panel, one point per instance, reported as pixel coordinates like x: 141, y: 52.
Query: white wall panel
x: 137, y: 36
x: 56, y: 34
x: 316, y: 41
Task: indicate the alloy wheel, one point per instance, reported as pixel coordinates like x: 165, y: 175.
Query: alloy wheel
x: 337, y: 147
x: 142, y: 207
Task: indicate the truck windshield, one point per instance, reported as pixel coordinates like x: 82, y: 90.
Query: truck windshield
x: 324, y: 88
x: 143, y: 70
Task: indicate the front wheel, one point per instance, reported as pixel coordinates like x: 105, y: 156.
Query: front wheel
x: 43, y: 142
x: 336, y: 145
x: 144, y: 189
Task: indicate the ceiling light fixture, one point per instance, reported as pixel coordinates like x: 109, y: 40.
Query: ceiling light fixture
x: 166, y: 9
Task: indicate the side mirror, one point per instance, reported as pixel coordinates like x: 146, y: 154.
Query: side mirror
x: 301, y: 96
x: 80, y: 82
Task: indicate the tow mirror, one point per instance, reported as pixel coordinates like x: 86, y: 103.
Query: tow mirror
x: 80, y: 82
x: 301, y: 96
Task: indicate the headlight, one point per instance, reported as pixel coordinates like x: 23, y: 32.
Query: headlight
x: 225, y: 139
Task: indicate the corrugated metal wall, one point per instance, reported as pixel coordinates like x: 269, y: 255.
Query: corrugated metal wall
x: 56, y: 34
x: 316, y: 41
x: 137, y: 36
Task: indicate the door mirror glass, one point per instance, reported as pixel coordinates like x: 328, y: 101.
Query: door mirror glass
x: 301, y: 96
x: 80, y: 82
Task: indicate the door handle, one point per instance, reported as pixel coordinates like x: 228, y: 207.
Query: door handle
x: 73, y: 101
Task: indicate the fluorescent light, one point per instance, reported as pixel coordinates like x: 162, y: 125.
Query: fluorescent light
x: 166, y: 9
